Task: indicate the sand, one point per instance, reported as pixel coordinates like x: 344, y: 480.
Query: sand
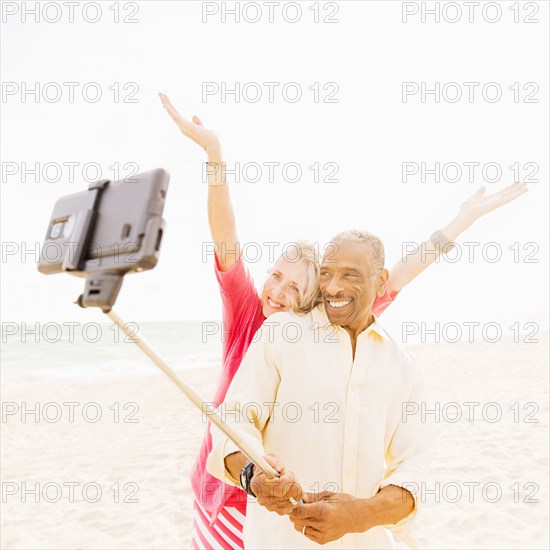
x: 147, y: 462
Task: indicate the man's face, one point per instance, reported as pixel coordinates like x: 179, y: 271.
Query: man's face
x: 348, y: 285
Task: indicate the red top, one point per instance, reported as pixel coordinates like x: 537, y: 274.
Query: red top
x: 242, y: 317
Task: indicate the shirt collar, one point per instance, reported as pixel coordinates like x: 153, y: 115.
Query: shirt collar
x: 320, y: 316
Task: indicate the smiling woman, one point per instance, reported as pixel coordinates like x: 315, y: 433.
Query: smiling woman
x: 293, y: 283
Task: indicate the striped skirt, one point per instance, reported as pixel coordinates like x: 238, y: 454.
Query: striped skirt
x: 226, y: 533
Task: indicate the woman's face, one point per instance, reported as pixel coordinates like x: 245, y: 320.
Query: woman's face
x: 281, y: 289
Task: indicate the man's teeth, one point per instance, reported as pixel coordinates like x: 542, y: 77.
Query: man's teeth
x: 339, y: 304
x: 273, y: 304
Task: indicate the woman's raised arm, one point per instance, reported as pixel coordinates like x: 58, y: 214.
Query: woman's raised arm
x: 413, y: 264
x: 221, y: 218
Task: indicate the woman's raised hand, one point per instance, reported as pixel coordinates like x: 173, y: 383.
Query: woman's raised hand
x: 193, y: 129
x: 480, y: 204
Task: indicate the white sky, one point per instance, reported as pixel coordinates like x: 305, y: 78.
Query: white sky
x: 369, y: 133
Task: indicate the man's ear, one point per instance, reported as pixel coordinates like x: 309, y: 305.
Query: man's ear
x: 382, y: 282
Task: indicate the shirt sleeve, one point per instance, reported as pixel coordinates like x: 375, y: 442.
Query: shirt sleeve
x: 237, y: 291
x: 382, y: 302
x: 255, y: 385
x: 408, y: 457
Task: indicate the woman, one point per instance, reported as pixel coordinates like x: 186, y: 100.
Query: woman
x: 291, y: 285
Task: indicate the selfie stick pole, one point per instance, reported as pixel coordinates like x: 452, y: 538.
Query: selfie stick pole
x: 197, y: 400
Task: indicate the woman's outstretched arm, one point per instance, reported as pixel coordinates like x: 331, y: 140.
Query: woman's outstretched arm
x: 221, y: 218
x: 413, y: 264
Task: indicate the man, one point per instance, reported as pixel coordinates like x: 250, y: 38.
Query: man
x: 325, y: 391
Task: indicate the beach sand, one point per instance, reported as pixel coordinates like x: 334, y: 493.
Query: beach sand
x: 148, y: 461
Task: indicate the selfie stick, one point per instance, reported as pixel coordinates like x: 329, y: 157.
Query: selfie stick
x: 197, y: 400
x: 133, y: 210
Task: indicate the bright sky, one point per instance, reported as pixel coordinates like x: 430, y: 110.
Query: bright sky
x: 367, y: 133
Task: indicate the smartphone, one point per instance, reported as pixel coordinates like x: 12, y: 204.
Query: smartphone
x: 105, y: 232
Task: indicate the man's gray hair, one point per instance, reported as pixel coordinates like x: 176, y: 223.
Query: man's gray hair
x: 372, y: 244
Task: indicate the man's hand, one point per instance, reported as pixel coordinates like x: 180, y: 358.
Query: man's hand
x: 275, y: 493
x: 328, y: 516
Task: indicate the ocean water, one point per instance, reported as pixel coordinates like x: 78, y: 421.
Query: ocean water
x: 41, y: 351
x: 36, y: 351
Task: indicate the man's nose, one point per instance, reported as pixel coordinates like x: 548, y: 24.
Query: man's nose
x: 333, y: 287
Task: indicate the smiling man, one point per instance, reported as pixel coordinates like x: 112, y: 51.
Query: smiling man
x: 325, y: 392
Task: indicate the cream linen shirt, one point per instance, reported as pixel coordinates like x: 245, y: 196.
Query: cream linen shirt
x: 335, y: 421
